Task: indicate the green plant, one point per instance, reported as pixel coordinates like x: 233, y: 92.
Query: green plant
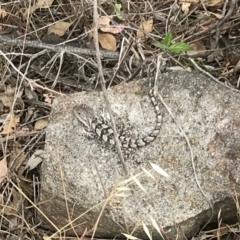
x: 117, y: 10
x: 166, y: 44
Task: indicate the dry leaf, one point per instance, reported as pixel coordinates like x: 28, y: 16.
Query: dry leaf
x: 3, y: 169
x: 47, y: 99
x: 104, y: 21
x: 35, y: 159
x: 114, y: 29
x: 107, y: 41
x: 185, y: 8
x: 217, y: 15
x: 198, y: 47
x: 59, y: 28
x: 3, y: 13
x: 43, y: 3
x: 160, y: 16
x: 146, y: 26
x: 11, y: 125
x: 104, y: 25
x: 13, y: 207
x: 41, y: 123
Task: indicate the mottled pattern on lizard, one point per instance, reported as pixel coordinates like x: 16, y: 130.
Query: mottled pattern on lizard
x: 99, y: 127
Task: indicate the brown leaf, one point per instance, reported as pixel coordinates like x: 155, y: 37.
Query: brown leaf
x: 13, y: 207
x: 11, y: 125
x: 114, y: 29
x: 146, y: 26
x: 3, y: 13
x: 217, y: 15
x: 104, y: 25
x: 185, y: 8
x: 59, y: 28
x: 47, y: 99
x: 44, y: 3
x: 107, y: 41
x: 41, y: 123
x: 198, y: 47
x: 104, y: 20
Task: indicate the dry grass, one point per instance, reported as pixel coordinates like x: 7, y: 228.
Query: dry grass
x: 63, y: 61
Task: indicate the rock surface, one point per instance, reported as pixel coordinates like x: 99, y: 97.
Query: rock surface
x: 86, y: 175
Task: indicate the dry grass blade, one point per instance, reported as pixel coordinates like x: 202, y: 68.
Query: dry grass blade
x: 120, y: 189
x: 123, y: 195
x: 156, y: 226
x: 146, y: 230
x: 148, y: 173
x: 130, y: 179
x: 139, y: 184
x: 3, y: 169
x: 159, y: 170
x: 130, y: 236
x: 68, y: 64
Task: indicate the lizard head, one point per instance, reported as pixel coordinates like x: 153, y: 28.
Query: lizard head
x: 84, y: 114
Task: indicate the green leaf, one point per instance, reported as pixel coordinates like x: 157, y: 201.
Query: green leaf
x: 160, y: 45
x: 179, y: 47
x: 167, y: 39
x: 118, y: 7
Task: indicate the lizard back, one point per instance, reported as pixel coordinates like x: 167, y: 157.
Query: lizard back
x: 100, y: 128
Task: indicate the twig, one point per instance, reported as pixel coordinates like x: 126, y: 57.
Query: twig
x: 102, y: 81
x: 59, y: 48
x: 212, y: 77
x: 215, y: 25
x: 4, y: 139
x: 24, y: 64
x: 222, y: 20
x: 121, y: 59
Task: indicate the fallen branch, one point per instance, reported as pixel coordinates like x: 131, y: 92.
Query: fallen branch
x: 58, y: 48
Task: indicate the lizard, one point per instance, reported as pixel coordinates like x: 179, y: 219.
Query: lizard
x: 99, y: 127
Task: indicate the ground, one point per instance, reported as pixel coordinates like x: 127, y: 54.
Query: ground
x: 50, y: 48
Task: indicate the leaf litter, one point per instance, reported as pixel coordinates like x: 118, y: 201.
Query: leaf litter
x: 25, y: 102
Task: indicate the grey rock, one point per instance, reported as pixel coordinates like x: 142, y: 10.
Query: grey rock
x: 86, y: 174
